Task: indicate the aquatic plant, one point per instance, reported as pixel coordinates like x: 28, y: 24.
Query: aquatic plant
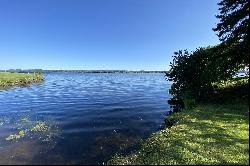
x: 34, y: 129
x: 20, y: 134
x: 40, y: 127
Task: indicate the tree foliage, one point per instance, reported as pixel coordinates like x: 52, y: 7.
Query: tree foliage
x: 233, y: 28
x: 193, y: 73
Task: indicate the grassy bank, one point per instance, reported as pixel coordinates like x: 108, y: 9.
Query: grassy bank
x: 212, y: 132
x: 18, y: 79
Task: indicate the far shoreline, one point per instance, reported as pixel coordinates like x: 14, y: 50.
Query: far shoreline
x: 105, y: 71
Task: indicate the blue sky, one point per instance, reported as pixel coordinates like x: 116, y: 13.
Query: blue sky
x: 102, y: 34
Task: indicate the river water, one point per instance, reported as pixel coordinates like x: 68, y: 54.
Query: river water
x: 80, y: 118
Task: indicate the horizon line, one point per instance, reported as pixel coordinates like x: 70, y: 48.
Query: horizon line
x: 84, y: 69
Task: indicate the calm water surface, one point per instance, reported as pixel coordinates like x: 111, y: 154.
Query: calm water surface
x: 88, y: 117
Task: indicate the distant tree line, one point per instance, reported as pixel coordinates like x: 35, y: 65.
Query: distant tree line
x: 105, y: 71
x: 80, y: 71
x: 193, y: 73
x: 23, y: 70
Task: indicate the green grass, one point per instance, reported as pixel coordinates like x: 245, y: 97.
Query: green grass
x: 206, y: 134
x: 9, y: 79
x: 213, y: 132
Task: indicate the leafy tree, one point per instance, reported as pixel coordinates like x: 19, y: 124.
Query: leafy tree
x: 233, y: 29
x: 193, y: 73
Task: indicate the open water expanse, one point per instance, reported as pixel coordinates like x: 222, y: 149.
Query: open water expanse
x: 80, y: 118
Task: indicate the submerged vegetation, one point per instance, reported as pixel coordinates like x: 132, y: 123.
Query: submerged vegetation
x: 25, y: 127
x: 8, y: 79
x: 40, y: 127
x: 20, y: 134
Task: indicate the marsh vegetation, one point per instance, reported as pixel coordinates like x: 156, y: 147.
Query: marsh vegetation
x: 8, y: 79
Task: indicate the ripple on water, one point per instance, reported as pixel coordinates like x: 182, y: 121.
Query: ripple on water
x: 93, y: 116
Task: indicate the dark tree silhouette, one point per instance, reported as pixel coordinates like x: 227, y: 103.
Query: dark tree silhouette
x: 233, y: 29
